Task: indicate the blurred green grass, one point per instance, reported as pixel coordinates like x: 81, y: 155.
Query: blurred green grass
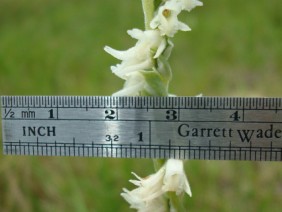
x: 50, y: 47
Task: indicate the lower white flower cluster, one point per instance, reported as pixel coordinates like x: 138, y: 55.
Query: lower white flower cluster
x: 149, y: 194
x: 151, y: 45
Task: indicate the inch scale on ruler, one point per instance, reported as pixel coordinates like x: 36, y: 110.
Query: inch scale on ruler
x: 206, y: 128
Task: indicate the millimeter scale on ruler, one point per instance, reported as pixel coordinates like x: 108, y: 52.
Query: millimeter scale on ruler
x: 206, y: 128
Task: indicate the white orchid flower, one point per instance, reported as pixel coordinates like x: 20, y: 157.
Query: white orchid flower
x: 136, y: 201
x: 175, y: 178
x: 138, y: 57
x: 166, y: 19
x: 189, y: 4
x: 133, y: 85
x: 148, y: 193
x: 170, y: 178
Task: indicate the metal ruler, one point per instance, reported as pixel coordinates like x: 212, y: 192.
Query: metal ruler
x: 207, y: 128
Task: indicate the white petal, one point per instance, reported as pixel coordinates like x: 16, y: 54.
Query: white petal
x: 124, y: 69
x: 135, y: 33
x: 139, y: 178
x: 134, y: 84
x: 160, y: 49
x: 174, y: 5
x: 168, y: 49
x: 190, y: 4
x: 183, y: 27
x: 155, y: 22
x: 175, y: 178
x: 133, y: 198
x: 132, y: 91
x: 121, y: 55
x: 200, y: 95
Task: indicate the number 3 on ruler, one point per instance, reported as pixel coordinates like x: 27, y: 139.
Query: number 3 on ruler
x: 171, y: 115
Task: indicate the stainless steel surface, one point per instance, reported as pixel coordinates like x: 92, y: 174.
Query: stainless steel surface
x: 207, y: 128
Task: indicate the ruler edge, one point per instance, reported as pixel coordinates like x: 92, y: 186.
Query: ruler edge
x: 264, y: 103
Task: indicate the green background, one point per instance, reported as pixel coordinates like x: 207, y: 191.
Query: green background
x: 50, y: 47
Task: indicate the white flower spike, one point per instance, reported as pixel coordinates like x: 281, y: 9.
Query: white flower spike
x: 147, y: 72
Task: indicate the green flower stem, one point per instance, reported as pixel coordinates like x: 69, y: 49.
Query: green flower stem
x: 148, y: 9
x: 158, y: 84
x: 158, y: 3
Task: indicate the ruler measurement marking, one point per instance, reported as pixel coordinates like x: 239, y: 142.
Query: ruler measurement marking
x: 37, y: 139
x: 165, y: 147
x: 57, y: 112
x: 150, y: 134
x: 271, y: 151
x: 6, y: 104
x: 276, y: 109
x: 55, y: 143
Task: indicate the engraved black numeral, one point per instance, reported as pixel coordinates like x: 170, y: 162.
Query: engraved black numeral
x: 110, y: 114
x: 235, y: 116
x: 111, y: 138
x: 140, y: 137
x: 51, y: 114
x: 171, y: 115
